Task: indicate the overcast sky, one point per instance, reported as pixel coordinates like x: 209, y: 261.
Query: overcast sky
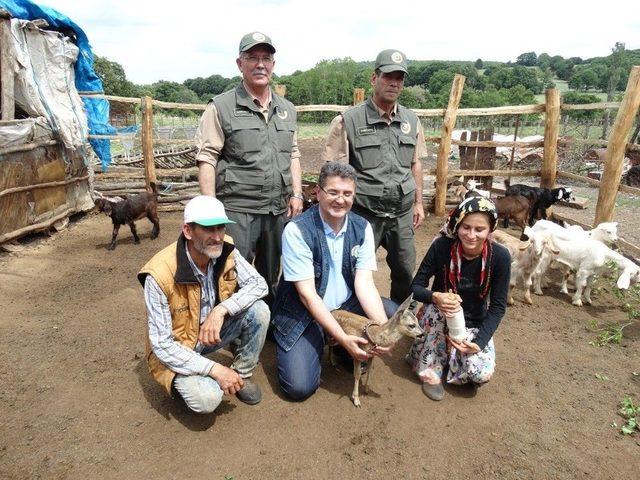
x: 155, y: 40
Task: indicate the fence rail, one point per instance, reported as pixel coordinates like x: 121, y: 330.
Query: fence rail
x: 552, y: 109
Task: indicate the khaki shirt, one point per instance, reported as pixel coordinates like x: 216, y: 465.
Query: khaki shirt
x: 210, y: 137
x: 336, y: 148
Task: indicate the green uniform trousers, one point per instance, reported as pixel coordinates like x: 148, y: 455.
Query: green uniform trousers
x: 258, y: 238
x: 395, y: 235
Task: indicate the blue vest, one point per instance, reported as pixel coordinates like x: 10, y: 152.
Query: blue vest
x: 290, y: 317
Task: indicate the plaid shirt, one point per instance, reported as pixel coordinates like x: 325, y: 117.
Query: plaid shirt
x: 175, y: 356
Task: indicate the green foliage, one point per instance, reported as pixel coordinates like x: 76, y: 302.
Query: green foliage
x: 630, y: 411
x: 612, y: 333
x: 211, y: 86
x: 478, y: 64
x: 174, y: 92
x: 528, y: 59
x: 576, y: 98
x: 114, y: 80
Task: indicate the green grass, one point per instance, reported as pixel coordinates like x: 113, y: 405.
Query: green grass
x: 312, y: 130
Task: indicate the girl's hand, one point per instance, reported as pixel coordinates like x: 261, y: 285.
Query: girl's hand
x: 466, y: 347
x: 447, y: 303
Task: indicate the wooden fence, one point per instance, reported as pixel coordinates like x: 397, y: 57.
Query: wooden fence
x: 616, y: 145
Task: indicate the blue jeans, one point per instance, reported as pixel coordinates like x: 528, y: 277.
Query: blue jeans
x: 202, y: 394
x: 299, y: 368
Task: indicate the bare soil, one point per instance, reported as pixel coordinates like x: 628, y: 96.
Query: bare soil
x: 76, y: 400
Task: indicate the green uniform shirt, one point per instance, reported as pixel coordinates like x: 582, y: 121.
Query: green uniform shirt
x: 382, y: 154
x: 253, y: 173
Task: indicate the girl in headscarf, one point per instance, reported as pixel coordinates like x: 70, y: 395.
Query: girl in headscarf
x: 470, y: 272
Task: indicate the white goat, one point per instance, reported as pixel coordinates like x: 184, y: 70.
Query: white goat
x: 588, y: 257
x: 606, y: 233
x: 525, y: 257
x: 472, y: 184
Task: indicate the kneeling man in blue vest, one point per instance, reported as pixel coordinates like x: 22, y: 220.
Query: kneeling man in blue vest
x: 202, y: 295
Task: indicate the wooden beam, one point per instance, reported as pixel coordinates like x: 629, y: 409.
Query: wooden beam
x: 590, y: 106
x: 614, y: 156
x: 147, y: 141
x: 448, y: 124
x: 551, y: 122
x: 486, y: 173
x: 27, y: 146
x: 59, y: 183
x: 7, y: 72
x: 358, y: 95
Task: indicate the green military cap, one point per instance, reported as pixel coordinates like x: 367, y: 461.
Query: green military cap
x: 252, y: 39
x: 389, y: 61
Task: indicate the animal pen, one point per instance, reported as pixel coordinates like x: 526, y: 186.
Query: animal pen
x: 43, y: 181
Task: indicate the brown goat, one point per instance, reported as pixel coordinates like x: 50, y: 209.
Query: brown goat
x: 516, y: 208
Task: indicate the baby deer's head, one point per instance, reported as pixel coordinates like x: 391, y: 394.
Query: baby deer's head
x: 406, y: 319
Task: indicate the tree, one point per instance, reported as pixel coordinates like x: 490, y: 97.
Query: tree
x: 581, y: 98
x: 114, y: 80
x: 208, y: 87
x: 544, y: 61
x: 478, y: 64
x: 615, y: 70
x: 528, y: 59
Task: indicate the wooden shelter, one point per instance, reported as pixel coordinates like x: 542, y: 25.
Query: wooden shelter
x: 42, y: 181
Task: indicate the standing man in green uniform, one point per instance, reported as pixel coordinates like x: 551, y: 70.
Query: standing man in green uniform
x: 248, y: 158
x: 384, y: 142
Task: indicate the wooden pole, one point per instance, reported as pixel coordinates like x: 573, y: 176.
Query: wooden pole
x: 551, y: 123
x: 281, y: 90
x: 7, y: 74
x: 614, y: 156
x: 147, y: 141
x: 448, y: 123
x: 513, y: 149
x: 358, y: 95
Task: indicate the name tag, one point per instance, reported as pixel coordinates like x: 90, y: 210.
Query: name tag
x: 366, y: 130
x: 240, y: 112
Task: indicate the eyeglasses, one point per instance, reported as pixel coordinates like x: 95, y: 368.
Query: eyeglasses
x: 255, y: 60
x: 333, y: 195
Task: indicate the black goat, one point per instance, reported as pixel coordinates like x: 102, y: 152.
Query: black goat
x: 541, y: 198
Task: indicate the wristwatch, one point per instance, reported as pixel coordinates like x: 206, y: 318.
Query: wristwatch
x: 298, y: 196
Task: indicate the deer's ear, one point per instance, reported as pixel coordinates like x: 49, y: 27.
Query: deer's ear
x: 406, y: 303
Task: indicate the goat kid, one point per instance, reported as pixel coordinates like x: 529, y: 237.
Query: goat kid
x: 588, y: 257
x: 129, y: 210
x: 525, y: 257
x: 516, y: 208
x: 403, y: 322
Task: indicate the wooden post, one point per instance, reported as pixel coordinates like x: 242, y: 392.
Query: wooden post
x: 358, y: 95
x: 551, y: 123
x: 7, y: 74
x: 448, y: 123
x: 147, y: 141
x: 614, y: 156
x: 280, y: 90
x: 513, y: 149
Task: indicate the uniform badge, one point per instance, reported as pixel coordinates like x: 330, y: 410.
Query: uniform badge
x: 283, y: 114
x: 396, y: 57
x: 355, y: 251
x: 258, y: 37
x: 405, y: 127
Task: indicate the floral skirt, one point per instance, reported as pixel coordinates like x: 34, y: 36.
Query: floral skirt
x: 428, y: 356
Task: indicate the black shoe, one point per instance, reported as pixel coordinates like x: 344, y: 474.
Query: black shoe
x: 434, y: 392
x: 250, y: 393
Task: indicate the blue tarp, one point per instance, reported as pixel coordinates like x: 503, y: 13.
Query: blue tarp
x: 86, y: 78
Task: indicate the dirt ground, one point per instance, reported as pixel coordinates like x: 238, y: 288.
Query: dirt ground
x: 76, y: 400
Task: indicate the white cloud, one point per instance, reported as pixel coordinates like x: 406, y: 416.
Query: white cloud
x: 156, y: 40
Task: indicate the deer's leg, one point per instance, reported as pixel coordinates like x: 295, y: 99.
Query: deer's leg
x: 355, y: 396
x: 365, y: 385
